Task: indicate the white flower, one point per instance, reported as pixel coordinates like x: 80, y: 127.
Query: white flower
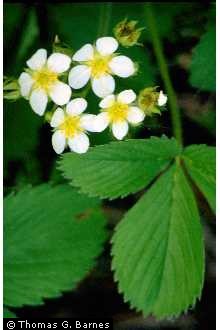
x: 118, y: 111
x: 162, y: 99
x: 41, y: 80
x: 71, y: 126
x: 99, y: 63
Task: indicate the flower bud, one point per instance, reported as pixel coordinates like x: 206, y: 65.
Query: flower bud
x: 148, y: 100
x: 126, y: 33
x: 11, y: 89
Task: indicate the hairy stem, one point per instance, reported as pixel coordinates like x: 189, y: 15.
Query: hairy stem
x: 158, y: 49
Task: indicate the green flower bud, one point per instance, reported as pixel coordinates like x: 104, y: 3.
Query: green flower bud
x: 148, y: 100
x: 126, y: 33
x: 11, y: 89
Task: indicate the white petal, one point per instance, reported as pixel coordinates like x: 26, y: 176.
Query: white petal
x: 57, y: 118
x: 101, y: 122
x: 103, y: 86
x: 76, y: 106
x: 38, y: 101
x: 120, y: 129
x: 135, y: 115
x: 87, y: 122
x: 58, y: 141
x: 127, y: 96
x: 84, y: 54
x: 107, y: 102
x: 162, y: 99
x: 106, y: 45
x: 58, y: 62
x: 79, y: 76
x: 25, y: 81
x: 79, y: 143
x: 122, y: 66
x: 60, y: 93
x: 38, y: 59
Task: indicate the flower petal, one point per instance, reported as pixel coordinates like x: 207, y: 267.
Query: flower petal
x: 60, y: 93
x: 58, y: 62
x: 135, y: 115
x: 122, y: 66
x: 120, y: 129
x: 58, y: 141
x: 76, y: 106
x: 127, y: 96
x: 57, y: 118
x: 25, y: 81
x: 107, y: 102
x: 87, y: 122
x: 38, y: 59
x: 101, y: 122
x: 79, y: 143
x: 85, y: 53
x: 79, y: 76
x: 106, y: 45
x: 103, y: 86
x: 38, y: 101
x: 162, y: 99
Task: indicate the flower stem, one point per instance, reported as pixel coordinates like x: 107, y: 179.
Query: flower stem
x: 104, y: 19
x: 158, y: 49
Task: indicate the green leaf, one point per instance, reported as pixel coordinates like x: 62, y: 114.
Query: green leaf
x: 158, y: 252
x: 8, y: 314
x: 203, y: 65
x: 119, y: 168
x: 200, y: 161
x: 52, y: 236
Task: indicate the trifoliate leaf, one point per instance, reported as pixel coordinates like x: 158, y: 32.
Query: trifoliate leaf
x: 158, y: 252
x: 200, y: 161
x: 7, y: 314
x: 52, y: 236
x: 203, y: 65
x: 118, y: 168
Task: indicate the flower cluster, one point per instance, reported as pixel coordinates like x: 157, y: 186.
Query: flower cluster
x: 53, y: 78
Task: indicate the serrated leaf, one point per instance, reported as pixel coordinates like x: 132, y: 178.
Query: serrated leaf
x: 158, y: 252
x: 200, y: 161
x: 203, y: 65
x: 52, y: 236
x: 118, y: 168
x: 8, y: 314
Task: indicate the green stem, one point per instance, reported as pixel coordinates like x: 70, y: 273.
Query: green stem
x: 104, y: 19
x: 158, y: 49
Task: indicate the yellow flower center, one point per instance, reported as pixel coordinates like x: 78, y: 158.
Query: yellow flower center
x: 99, y: 65
x: 44, y: 78
x: 71, y: 126
x: 118, y: 112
